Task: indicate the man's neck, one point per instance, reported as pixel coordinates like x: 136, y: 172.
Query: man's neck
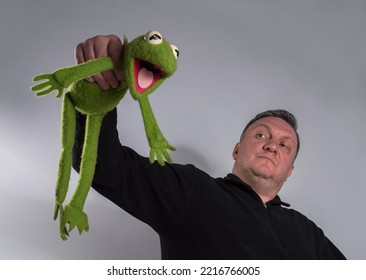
x: 265, y: 188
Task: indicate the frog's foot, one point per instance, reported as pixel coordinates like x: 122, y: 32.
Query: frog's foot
x: 59, y: 211
x: 75, y: 218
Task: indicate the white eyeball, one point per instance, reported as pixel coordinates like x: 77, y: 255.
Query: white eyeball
x: 175, y: 51
x: 153, y: 37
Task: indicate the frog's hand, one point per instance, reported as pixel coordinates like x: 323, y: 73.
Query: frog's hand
x: 64, y: 77
x: 49, y: 85
x: 157, y: 142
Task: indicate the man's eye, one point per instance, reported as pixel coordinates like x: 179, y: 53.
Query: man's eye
x: 283, y: 145
x: 261, y: 136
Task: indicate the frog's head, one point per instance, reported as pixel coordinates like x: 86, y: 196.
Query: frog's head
x: 147, y: 61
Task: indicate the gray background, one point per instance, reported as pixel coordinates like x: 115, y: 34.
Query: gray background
x: 237, y: 58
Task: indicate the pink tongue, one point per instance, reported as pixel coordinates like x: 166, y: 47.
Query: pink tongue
x: 145, y: 78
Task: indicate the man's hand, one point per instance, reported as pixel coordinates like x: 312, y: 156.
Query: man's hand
x: 101, y: 46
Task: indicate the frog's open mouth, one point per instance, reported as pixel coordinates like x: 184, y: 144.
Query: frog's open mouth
x: 146, y: 75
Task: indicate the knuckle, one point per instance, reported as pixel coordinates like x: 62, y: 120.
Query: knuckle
x: 96, y: 40
x: 114, y: 37
x: 79, y: 47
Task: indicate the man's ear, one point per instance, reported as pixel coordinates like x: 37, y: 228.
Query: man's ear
x: 236, y: 151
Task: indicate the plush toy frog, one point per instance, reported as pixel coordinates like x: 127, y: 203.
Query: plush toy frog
x: 146, y: 62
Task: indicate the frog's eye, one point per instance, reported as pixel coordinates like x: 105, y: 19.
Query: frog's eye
x: 175, y: 51
x: 153, y: 37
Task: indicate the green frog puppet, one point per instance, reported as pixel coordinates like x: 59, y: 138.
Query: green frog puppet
x: 146, y: 62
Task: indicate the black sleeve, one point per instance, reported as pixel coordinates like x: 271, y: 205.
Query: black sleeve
x: 154, y: 194
x: 331, y: 252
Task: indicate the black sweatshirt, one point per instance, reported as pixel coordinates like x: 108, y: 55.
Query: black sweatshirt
x: 195, y: 215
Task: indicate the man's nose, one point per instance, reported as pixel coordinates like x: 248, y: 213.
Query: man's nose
x: 271, y: 146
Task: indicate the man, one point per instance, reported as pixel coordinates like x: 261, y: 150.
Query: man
x: 196, y: 216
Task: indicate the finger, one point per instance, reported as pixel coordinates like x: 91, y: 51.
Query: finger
x: 152, y: 156
x: 55, y: 212
x: 115, y: 50
x: 59, y: 93
x: 40, y: 86
x: 167, y: 156
x: 170, y: 147
x: 110, y: 79
x: 71, y: 226
x: 63, y: 236
x: 160, y: 158
x: 101, y: 81
x: 100, y: 50
x: 80, y: 58
x: 79, y: 54
x: 80, y: 229
x: 66, y: 232
x: 40, y: 77
x: 44, y: 92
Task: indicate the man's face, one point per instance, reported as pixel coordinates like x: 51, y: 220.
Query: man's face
x: 267, y: 151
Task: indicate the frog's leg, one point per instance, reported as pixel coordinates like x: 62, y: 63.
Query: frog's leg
x: 65, y: 161
x: 73, y: 214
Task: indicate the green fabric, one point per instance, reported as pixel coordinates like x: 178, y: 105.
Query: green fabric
x: 146, y: 63
x: 156, y: 139
x: 65, y: 161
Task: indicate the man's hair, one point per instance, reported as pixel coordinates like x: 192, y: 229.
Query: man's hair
x: 279, y: 113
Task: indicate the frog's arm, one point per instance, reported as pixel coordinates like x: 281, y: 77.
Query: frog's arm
x: 157, y: 142
x: 64, y: 77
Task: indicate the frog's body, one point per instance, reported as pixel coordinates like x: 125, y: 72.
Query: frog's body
x: 147, y: 61
x: 89, y: 98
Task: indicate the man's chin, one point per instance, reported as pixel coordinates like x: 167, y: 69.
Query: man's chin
x: 264, y: 172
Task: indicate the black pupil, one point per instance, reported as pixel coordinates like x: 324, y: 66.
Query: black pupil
x: 155, y: 37
x: 177, y: 52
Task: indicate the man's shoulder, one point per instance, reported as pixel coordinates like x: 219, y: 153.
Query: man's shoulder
x: 300, y: 218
